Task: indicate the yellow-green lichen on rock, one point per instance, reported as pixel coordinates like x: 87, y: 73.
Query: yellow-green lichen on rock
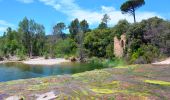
x: 96, y: 75
x: 102, y: 91
x: 36, y: 87
x: 158, y: 82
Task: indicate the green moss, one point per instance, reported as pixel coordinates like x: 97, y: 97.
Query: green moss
x: 38, y: 87
x: 102, y: 91
x: 131, y: 92
x: 15, y: 82
x: 84, y: 92
x: 95, y: 72
x: 114, y: 83
x: 127, y: 66
x: 158, y: 82
x: 96, y: 75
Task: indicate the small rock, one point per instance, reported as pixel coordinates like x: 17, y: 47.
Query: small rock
x: 73, y: 59
x: 14, y: 98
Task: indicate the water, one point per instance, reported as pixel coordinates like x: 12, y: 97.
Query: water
x: 14, y: 71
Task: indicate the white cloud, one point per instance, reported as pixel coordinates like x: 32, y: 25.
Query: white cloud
x: 26, y: 1
x: 73, y: 10
x: 4, y: 25
x: 2, y: 29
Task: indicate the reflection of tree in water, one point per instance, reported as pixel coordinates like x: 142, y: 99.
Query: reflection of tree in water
x: 19, y: 66
x: 25, y: 67
x: 81, y: 67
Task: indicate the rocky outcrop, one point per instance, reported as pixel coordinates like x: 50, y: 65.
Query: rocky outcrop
x: 119, y: 45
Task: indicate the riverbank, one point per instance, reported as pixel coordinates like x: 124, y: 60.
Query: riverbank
x: 164, y: 62
x: 39, y: 61
x: 140, y: 82
x: 42, y: 61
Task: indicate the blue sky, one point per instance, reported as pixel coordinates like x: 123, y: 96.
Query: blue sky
x: 50, y: 12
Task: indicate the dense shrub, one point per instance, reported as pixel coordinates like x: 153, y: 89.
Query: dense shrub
x: 145, y: 54
x: 65, y: 47
x: 97, y: 41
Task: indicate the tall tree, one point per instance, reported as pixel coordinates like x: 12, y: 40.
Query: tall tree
x: 24, y: 27
x: 58, y: 29
x: 84, y: 26
x: 105, y: 18
x: 39, y: 43
x: 30, y: 29
x: 12, y: 42
x: 130, y: 7
x: 104, y: 22
x: 74, y: 28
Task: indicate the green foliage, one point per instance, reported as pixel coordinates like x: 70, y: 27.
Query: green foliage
x: 130, y: 6
x: 84, y: 26
x: 106, y: 62
x: 102, y: 25
x: 21, y: 53
x: 148, y: 40
x: 104, y: 22
x: 120, y: 28
x: 65, y: 47
x: 97, y: 41
x: 33, y: 36
x: 95, y: 61
x: 109, y: 51
x: 58, y: 29
x: 74, y: 28
x: 158, y: 33
x: 145, y: 54
x: 12, y: 43
x: 113, y: 62
x: 46, y: 56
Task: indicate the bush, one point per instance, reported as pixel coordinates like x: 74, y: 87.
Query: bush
x: 145, y: 54
x: 109, y: 51
x: 106, y: 62
x: 97, y: 41
x: 21, y: 54
x: 65, y: 47
x: 113, y: 62
x: 46, y: 55
x: 95, y: 61
x: 1, y: 56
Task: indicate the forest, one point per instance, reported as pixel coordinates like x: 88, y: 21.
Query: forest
x: 147, y: 41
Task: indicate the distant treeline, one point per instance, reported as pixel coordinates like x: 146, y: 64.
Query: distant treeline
x: 147, y: 40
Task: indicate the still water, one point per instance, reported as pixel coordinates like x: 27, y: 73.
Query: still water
x: 14, y: 71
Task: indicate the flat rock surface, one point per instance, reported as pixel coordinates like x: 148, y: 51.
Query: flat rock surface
x: 133, y: 82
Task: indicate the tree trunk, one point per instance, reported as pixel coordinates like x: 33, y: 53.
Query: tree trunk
x: 80, y: 43
x: 31, y: 50
x: 134, y: 15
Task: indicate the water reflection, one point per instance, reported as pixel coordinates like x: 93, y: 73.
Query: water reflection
x: 14, y: 71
